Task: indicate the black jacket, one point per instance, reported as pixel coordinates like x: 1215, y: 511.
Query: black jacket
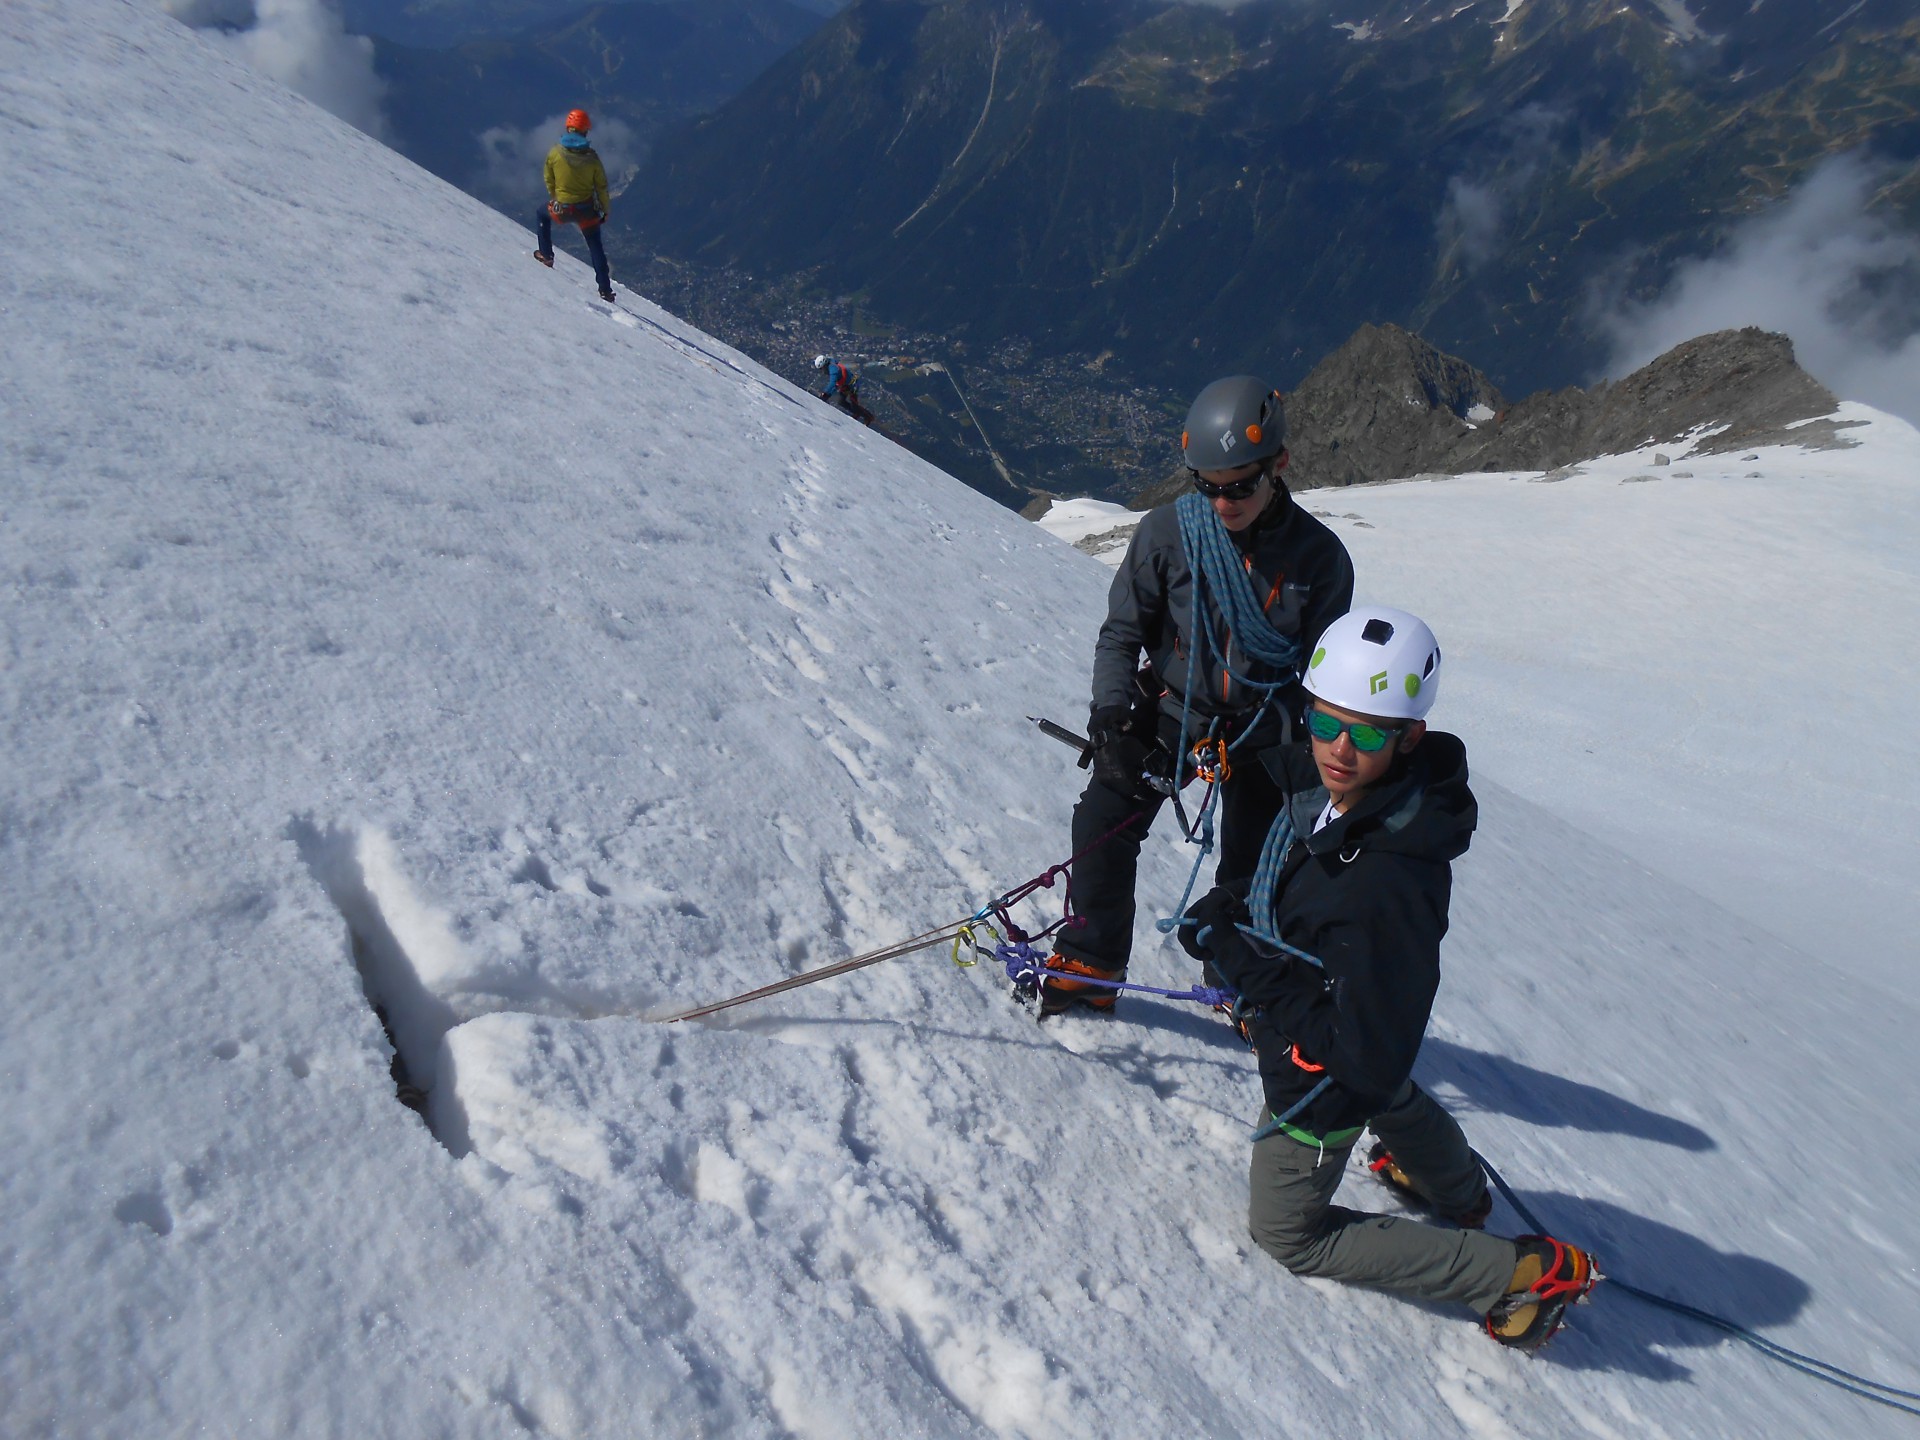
x: 1368, y: 897
x: 1299, y: 566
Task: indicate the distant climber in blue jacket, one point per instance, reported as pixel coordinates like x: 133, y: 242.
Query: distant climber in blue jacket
x: 842, y: 387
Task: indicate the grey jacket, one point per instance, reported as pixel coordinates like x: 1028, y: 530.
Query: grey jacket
x: 1299, y: 567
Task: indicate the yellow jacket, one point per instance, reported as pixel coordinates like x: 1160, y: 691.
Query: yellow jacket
x: 576, y: 176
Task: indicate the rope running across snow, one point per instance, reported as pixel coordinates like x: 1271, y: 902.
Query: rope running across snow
x: 1874, y: 1390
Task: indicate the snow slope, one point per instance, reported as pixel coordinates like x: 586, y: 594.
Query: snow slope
x: 384, y: 614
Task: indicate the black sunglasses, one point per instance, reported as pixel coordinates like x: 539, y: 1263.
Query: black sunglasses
x: 1232, y: 490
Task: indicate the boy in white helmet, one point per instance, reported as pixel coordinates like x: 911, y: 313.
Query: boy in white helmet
x: 1357, y: 875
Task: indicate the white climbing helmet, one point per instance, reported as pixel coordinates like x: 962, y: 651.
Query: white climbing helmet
x: 1377, y: 661
x: 819, y: 362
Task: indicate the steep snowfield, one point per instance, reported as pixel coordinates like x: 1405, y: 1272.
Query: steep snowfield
x: 379, y: 603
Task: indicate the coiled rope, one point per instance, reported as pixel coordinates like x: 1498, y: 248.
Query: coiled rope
x: 1223, y: 593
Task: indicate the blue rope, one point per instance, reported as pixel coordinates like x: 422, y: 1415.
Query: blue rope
x: 1272, y: 1127
x: 1219, y: 571
x: 1874, y: 1390
x: 1167, y: 924
x: 1222, y: 587
x: 1265, y: 926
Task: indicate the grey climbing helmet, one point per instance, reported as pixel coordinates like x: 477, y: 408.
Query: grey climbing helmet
x: 1234, y: 422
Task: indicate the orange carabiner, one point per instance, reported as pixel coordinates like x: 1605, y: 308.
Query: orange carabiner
x: 1210, y: 760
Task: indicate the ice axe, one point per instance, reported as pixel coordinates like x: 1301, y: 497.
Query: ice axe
x: 1085, y: 746
x: 1066, y: 737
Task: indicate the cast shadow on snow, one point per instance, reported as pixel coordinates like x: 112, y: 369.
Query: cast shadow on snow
x: 1619, y: 1332
x: 1496, y: 1085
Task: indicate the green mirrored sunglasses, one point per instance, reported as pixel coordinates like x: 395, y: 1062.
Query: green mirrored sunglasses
x: 1367, y: 739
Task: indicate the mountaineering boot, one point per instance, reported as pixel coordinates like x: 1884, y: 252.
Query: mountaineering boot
x: 1059, y: 996
x: 1551, y: 1275
x: 607, y: 294
x: 1388, y: 1172
x: 545, y: 257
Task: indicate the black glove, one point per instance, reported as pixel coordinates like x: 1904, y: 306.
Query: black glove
x: 1212, y: 914
x: 1119, y: 756
x: 1260, y: 973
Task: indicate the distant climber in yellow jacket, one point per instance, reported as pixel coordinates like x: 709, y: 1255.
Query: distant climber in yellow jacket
x: 576, y: 195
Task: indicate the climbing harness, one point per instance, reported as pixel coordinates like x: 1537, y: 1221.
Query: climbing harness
x: 584, y: 213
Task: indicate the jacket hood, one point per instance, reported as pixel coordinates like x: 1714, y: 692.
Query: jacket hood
x: 1423, y: 808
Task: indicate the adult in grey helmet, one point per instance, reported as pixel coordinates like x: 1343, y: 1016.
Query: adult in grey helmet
x: 1260, y: 578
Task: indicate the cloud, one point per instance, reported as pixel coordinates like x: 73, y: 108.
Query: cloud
x: 303, y: 44
x: 1823, y: 267
x: 1474, y: 216
x: 511, y: 159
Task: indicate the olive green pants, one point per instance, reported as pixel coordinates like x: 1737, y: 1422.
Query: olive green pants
x: 1293, y: 1217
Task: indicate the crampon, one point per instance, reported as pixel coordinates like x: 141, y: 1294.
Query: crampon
x: 1551, y: 1276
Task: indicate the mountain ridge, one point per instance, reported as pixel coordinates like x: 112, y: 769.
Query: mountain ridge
x: 1201, y: 189
x: 1387, y: 406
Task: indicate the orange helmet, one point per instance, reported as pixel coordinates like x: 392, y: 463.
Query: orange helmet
x: 579, y: 120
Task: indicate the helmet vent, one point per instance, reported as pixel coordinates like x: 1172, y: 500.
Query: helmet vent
x: 1378, y: 632
x: 1432, y: 660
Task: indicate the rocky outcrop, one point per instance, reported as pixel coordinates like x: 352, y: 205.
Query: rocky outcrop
x: 1387, y: 405
x: 1745, y: 384
x: 1384, y: 405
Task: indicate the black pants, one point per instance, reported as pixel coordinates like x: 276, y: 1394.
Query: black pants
x: 543, y: 223
x: 849, y: 401
x: 1103, y: 879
